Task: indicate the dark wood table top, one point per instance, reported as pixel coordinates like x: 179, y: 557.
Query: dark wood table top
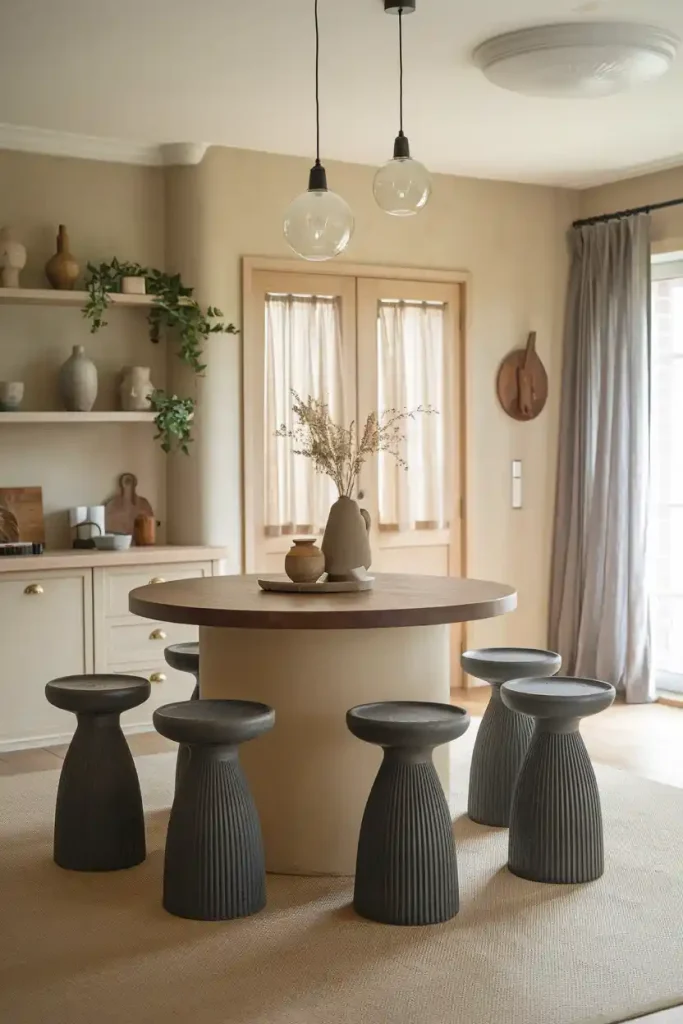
x: 395, y: 600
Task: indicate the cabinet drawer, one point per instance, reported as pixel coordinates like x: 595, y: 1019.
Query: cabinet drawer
x: 168, y: 686
x: 142, y: 641
x: 117, y: 583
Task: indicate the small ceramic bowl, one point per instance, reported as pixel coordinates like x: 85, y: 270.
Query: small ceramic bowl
x: 113, y: 541
x: 11, y: 395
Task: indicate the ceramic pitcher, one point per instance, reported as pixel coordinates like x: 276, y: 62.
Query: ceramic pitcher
x: 346, y: 542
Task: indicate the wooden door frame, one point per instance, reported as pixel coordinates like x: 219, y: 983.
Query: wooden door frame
x: 461, y: 278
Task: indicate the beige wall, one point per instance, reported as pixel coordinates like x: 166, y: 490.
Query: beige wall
x: 109, y: 209
x: 667, y: 225
x: 511, y: 238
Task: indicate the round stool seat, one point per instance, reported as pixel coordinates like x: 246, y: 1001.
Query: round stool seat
x: 99, y: 821
x: 183, y: 657
x: 556, y: 832
x: 93, y: 694
x: 407, y: 723
x: 557, y: 697
x: 214, y: 867
x: 406, y: 866
x: 213, y: 722
x: 503, y: 737
x: 497, y: 664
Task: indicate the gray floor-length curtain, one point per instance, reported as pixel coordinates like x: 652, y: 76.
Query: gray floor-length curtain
x: 599, y: 607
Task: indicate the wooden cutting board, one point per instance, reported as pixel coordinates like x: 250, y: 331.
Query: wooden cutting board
x: 21, y: 514
x: 121, y: 510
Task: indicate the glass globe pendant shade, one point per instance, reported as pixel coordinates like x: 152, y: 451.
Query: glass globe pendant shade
x: 318, y: 224
x: 402, y: 186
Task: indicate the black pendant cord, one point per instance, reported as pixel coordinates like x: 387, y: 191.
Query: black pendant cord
x: 317, y: 179
x: 317, y: 86
x: 400, y: 69
x: 620, y: 214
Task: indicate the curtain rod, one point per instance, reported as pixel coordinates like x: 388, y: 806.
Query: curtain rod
x: 604, y: 217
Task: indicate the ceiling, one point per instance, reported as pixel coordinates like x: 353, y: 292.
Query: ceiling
x: 241, y: 74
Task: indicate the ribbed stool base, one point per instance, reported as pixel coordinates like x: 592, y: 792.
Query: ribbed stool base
x: 99, y: 821
x: 499, y: 751
x: 214, y: 867
x: 556, y: 823
x: 183, y: 755
x: 406, y: 871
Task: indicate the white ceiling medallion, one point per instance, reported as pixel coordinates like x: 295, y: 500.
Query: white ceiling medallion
x: 581, y: 60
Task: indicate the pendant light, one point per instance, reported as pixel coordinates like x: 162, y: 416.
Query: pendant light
x: 403, y: 186
x: 318, y: 224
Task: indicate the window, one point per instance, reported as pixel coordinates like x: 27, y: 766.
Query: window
x: 412, y: 374
x: 667, y: 477
x: 303, y: 354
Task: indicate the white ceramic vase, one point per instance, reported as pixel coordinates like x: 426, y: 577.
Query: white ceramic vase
x: 136, y: 389
x: 78, y: 381
x: 12, y: 259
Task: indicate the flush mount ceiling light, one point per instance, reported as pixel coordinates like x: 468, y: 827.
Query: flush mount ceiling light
x: 318, y: 224
x: 580, y: 60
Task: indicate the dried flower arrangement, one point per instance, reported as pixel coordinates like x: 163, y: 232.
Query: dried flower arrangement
x: 339, y: 452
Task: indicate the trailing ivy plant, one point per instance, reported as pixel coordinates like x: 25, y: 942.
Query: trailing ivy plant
x: 173, y: 420
x: 175, y: 309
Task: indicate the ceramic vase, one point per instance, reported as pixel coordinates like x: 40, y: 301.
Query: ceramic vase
x: 136, y: 389
x: 62, y: 269
x: 304, y: 562
x: 12, y: 259
x: 346, y: 543
x: 78, y: 381
x: 11, y: 395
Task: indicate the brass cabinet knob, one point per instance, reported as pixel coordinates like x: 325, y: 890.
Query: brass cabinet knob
x: 157, y: 677
x: 33, y: 588
x: 157, y: 579
x: 157, y: 634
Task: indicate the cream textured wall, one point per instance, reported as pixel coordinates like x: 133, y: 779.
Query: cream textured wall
x: 511, y: 238
x: 109, y: 209
x: 667, y: 225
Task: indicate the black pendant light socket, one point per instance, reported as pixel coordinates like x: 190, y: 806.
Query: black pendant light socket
x: 317, y: 178
x: 401, y: 147
x: 405, y: 6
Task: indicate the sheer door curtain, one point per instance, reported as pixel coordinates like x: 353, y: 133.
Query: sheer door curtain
x: 303, y: 353
x: 413, y: 371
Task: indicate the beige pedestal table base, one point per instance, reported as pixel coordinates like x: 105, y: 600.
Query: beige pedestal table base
x: 312, y: 657
x: 310, y: 777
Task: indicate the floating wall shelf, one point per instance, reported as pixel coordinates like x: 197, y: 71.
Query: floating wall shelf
x: 52, y: 297
x: 77, y: 417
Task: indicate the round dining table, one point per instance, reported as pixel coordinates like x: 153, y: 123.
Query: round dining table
x: 312, y: 657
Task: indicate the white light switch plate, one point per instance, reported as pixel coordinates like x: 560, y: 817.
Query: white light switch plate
x: 516, y: 483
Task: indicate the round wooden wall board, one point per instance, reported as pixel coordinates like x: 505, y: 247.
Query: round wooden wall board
x: 521, y: 361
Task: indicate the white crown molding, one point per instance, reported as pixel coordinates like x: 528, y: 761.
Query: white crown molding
x: 90, y: 147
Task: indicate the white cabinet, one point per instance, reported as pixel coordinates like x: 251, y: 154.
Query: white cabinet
x: 46, y: 628
x: 130, y: 644
x: 58, y: 622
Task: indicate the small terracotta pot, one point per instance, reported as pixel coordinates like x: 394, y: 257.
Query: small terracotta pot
x: 304, y: 562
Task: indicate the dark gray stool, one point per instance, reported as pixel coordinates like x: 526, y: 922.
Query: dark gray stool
x: 556, y: 822
x: 214, y: 867
x: 503, y: 735
x: 99, y: 822
x: 406, y: 869
x: 184, y: 658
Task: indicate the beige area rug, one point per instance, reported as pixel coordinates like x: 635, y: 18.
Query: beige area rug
x: 98, y: 949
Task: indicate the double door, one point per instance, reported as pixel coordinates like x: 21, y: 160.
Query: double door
x: 361, y: 346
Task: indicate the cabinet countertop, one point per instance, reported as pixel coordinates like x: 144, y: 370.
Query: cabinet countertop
x: 91, y: 559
